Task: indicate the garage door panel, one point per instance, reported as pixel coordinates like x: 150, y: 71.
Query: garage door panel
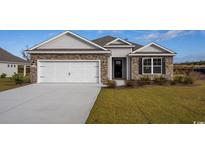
x: 86, y: 71
x: 46, y: 72
x: 61, y: 71
x: 68, y: 71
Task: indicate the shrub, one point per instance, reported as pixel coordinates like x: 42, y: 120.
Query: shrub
x: 184, y: 79
x: 144, y: 81
x: 160, y: 80
x: 18, y: 78
x: 3, y: 76
x: 188, y: 80
x: 178, y: 79
x: 26, y: 79
x: 172, y: 82
x: 111, y: 83
x: 130, y: 83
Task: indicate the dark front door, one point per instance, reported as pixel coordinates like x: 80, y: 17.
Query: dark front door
x: 118, y: 68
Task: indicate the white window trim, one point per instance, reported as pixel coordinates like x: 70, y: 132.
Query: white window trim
x: 143, y: 66
x: 152, y: 66
x: 157, y: 65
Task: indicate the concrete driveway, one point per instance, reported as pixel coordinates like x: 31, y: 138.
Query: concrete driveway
x: 48, y: 103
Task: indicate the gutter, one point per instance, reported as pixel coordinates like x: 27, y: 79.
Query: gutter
x: 13, y: 62
x: 151, y: 54
x: 68, y: 52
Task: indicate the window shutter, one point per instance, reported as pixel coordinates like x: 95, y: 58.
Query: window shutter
x: 163, y: 66
x: 140, y: 65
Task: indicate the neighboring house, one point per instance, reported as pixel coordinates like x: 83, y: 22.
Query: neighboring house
x: 69, y: 57
x: 9, y: 63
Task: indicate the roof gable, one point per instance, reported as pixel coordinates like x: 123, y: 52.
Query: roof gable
x: 5, y: 56
x: 67, y: 40
x: 106, y: 39
x: 119, y: 41
x: 153, y: 48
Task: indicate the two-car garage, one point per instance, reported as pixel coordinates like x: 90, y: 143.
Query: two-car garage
x: 68, y: 71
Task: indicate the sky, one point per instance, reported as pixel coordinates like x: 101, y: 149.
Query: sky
x: 188, y: 44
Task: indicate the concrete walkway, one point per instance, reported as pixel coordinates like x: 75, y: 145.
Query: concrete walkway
x: 120, y: 82
x: 48, y: 104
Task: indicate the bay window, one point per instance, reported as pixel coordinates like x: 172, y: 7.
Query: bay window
x: 152, y: 65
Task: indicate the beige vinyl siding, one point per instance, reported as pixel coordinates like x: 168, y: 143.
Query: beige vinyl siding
x: 120, y: 52
x: 67, y: 41
x: 152, y: 48
x: 9, y: 71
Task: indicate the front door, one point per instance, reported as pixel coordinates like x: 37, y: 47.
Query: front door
x: 118, y: 68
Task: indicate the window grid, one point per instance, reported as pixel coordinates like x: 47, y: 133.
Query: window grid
x: 155, y: 63
x: 147, y: 65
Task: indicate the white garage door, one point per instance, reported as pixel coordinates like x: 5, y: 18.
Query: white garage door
x: 68, y: 71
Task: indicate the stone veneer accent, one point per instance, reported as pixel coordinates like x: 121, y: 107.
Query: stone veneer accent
x: 135, y: 69
x: 102, y: 57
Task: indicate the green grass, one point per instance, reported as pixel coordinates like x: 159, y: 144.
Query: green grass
x: 154, y: 104
x: 6, y: 84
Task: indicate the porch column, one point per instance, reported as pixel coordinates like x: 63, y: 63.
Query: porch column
x: 24, y: 70
x: 110, y: 67
x: 17, y: 68
x: 127, y: 68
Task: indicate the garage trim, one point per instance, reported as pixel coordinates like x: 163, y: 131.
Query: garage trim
x: 52, y: 60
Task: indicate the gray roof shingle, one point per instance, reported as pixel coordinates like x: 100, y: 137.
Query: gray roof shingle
x: 106, y: 39
x: 8, y: 57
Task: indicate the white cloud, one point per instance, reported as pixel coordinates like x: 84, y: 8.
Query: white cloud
x: 151, y: 36
x: 157, y: 36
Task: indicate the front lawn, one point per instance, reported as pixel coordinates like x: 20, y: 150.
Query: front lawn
x: 152, y: 104
x: 6, y: 84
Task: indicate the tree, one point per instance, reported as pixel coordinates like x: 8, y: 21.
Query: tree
x: 25, y: 53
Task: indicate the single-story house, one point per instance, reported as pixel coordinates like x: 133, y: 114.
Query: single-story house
x: 9, y: 63
x: 69, y: 57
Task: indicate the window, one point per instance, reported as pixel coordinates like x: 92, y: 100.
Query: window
x: 157, y: 65
x: 147, y: 66
x: 118, y: 62
x: 152, y: 65
x: 14, y: 65
x: 8, y: 65
x: 11, y: 65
